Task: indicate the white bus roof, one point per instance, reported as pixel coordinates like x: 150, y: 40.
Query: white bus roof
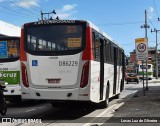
x: 7, y: 29
x: 103, y: 33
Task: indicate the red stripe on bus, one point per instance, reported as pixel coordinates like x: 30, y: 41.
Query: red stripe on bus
x: 23, y: 56
x: 88, y: 52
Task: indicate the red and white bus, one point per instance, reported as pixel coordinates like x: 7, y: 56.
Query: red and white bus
x: 70, y: 60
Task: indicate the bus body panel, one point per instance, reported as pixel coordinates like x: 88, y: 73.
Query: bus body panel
x: 59, y: 92
x: 53, y: 71
x: 119, y: 78
x: 54, y: 94
x: 10, y: 73
x: 95, y: 81
x: 108, y: 78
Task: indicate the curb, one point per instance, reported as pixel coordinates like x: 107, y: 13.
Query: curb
x: 158, y: 81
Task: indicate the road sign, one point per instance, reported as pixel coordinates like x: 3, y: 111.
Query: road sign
x: 141, y: 48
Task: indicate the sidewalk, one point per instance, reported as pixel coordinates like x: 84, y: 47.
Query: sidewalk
x: 139, y: 107
x: 155, y: 80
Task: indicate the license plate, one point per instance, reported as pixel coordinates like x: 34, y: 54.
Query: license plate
x: 132, y: 79
x: 53, y: 81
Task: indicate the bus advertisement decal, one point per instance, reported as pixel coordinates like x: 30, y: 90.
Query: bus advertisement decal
x: 11, y: 77
x: 3, y: 50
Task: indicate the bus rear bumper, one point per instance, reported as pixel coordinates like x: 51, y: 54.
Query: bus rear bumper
x: 54, y: 94
x: 14, y: 90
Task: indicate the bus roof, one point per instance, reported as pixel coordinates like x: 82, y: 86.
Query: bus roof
x: 7, y: 29
x: 73, y: 21
x: 103, y: 33
x: 99, y: 30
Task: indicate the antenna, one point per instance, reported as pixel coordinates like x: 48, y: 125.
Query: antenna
x: 42, y: 14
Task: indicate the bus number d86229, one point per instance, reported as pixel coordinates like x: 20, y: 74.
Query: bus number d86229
x: 68, y: 63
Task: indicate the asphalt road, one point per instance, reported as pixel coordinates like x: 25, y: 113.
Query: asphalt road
x: 81, y: 114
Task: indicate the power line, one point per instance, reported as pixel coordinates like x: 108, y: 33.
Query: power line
x: 33, y: 6
x: 8, y: 13
x: 125, y: 23
x: 38, y: 8
x: 18, y: 12
x: 150, y: 21
x: 155, y: 8
x: 22, y: 7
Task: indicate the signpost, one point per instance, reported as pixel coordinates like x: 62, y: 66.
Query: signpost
x: 141, y: 46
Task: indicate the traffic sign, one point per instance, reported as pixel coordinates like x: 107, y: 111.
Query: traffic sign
x: 141, y: 48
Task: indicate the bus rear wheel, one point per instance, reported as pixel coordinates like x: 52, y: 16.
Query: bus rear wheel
x: 104, y: 104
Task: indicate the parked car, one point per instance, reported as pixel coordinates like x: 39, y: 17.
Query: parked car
x: 132, y: 77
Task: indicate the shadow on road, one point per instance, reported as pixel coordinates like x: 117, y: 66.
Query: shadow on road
x: 23, y: 104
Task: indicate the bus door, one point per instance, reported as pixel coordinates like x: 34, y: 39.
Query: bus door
x: 101, y: 68
x: 115, y: 71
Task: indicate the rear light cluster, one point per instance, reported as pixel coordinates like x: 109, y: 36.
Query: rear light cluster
x: 24, y: 75
x: 85, y: 74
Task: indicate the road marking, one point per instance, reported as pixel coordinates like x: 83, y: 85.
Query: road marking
x: 41, y: 107
x: 30, y: 110
x: 99, y: 115
x: 35, y: 108
x: 109, y: 115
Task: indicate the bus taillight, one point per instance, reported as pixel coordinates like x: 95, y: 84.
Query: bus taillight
x: 24, y: 75
x: 85, y: 74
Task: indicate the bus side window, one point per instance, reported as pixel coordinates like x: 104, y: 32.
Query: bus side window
x: 107, y: 51
x: 119, y: 56
x: 110, y: 52
x: 93, y: 46
x: 96, y: 46
x: 120, y: 52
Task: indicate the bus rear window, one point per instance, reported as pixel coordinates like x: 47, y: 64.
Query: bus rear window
x: 54, y: 38
x: 9, y: 49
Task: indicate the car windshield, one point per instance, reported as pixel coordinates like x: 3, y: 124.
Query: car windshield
x: 132, y: 74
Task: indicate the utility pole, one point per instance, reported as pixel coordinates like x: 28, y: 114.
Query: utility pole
x: 146, y: 26
x: 155, y: 30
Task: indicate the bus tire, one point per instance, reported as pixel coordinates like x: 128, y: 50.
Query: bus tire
x: 104, y: 104
x: 117, y: 96
x: 122, y: 86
